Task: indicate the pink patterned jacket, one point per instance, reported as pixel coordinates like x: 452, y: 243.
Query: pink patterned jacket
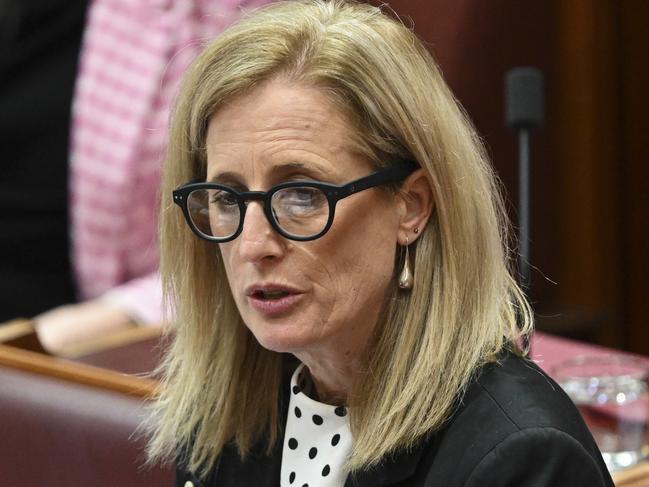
x: 133, y: 56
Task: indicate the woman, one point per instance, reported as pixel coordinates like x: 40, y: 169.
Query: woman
x: 346, y: 316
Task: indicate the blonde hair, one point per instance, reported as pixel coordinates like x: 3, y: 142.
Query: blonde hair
x: 219, y: 383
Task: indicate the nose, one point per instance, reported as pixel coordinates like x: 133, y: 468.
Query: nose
x: 258, y: 241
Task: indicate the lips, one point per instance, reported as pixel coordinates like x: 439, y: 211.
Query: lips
x: 263, y: 294
x: 273, y: 299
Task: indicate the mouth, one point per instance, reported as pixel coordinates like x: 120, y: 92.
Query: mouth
x: 273, y: 299
x: 269, y: 295
x: 270, y: 291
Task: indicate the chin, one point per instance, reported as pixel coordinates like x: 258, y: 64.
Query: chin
x: 280, y: 338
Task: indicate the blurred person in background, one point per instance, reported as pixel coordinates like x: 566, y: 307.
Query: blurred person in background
x: 131, y: 59
x: 39, y: 48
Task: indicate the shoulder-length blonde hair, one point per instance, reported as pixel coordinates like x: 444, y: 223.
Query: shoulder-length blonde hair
x: 219, y: 383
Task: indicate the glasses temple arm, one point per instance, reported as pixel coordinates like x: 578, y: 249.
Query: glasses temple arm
x: 389, y: 175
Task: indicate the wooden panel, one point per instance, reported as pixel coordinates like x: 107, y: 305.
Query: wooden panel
x: 589, y: 152
x: 634, y: 46
x: 20, y: 333
x: 76, y: 372
x: 637, y: 476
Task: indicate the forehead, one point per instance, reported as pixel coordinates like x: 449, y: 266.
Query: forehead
x: 278, y: 123
x: 277, y: 105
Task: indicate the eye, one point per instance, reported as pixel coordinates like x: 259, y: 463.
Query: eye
x: 223, y: 199
x: 299, y: 202
x: 302, y: 197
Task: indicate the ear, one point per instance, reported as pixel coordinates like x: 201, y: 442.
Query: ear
x: 416, y: 206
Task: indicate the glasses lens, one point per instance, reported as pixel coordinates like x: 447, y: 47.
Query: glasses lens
x: 301, y: 211
x: 214, y: 212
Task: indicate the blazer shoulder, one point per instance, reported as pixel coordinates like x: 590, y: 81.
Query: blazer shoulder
x: 542, y: 456
x: 518, y: 392
x: 509, y: 399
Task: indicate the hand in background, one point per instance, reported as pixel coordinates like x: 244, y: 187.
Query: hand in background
x: 72, y: 324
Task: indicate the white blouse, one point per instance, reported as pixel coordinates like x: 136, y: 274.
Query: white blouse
x: 317, y: 440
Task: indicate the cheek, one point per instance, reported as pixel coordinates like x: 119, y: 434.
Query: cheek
x: 370, y: 241
x: 225, y: 257
x: 367, y: 272
x: 356, y: 266
x: 227, y: 254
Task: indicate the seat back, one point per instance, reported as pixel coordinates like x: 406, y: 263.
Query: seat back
x: 59, y: 431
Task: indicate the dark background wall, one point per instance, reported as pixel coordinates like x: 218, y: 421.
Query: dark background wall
x: 590, y: 207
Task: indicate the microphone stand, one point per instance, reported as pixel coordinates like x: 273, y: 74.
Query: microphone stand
x: 524, y: 224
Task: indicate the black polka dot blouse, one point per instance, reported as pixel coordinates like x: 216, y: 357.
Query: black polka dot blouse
x: 317, y: 441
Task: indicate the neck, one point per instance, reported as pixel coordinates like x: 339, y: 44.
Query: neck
x: 332, y: 379
x: 335, y: 364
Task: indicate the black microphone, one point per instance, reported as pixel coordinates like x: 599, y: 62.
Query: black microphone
x: 524, y: 111
x: 524, y: 100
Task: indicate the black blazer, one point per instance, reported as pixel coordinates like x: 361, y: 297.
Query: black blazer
x: 515, y: 427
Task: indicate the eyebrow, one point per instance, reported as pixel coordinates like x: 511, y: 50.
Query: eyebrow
x: 280, y: 170
x: 223, y: 176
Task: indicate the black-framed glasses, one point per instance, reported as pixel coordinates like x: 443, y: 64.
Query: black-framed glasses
x: 297, y: 210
